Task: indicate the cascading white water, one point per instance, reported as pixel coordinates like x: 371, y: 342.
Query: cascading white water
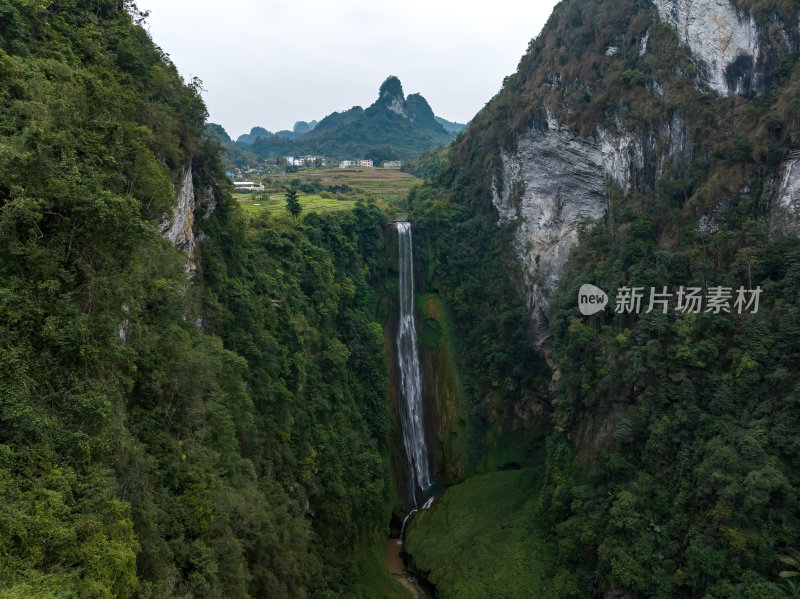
x: 425, y: 506
x: 411, y: 418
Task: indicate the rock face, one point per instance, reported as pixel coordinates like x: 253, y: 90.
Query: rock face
x: 723, y: 41
x: 786, y: 207
x: 554, y: 180
x: 550, y: 183
x: 391, y: 95
x: 178, y: 227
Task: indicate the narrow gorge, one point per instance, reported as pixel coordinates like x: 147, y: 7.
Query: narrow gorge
x: 201, y: 397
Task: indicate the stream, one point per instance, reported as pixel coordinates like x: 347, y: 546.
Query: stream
x: 397, y: 567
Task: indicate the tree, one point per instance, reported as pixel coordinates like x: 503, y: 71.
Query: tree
x: 292, y: 203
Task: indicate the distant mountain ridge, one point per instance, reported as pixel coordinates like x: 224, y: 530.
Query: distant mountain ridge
x: 300, y: 129
x: 452, y: 126
x: 394, y: 127
x: 234, y: 155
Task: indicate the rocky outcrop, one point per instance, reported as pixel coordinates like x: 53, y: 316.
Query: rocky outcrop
x: 733, y: 52
x: 553, y: 182
x: 178, y: 227
x: 786, y: 207
x: 391, y: 96
x: 678, y: 144
x: 553, y: 179
x: 723, y: 41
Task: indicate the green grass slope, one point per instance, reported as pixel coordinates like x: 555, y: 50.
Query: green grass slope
x: 480, y: 539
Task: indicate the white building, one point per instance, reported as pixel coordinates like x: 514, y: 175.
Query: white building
x: 247, y: 186
x: 347, y: 163
x: 364, y: 162
x: 392, y: 163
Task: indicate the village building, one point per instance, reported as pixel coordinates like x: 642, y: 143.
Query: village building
x: 247, y: 186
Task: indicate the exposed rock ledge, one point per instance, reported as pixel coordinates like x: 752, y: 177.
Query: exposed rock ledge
x: 178, y: 227
x: 785, y: 215
x: 553, y: 181
x: 723, y: 41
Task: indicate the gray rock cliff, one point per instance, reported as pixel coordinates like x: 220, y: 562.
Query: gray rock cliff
x: 723, y: 41
x: 178, y: 227
x: 729, y: 46
x: 551, y: 183
x: 786, y: 207
x: 551, y: 180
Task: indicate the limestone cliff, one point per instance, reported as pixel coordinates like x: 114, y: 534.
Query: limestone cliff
x: 178, y: 227
x: 786, y: 209
x: 731, y: 48
x: 391, y: 96
x: 550, y: 178
x: 723, y: 41
x: 554, y: 180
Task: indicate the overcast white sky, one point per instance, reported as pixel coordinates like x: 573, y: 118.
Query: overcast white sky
x: 274, y: 63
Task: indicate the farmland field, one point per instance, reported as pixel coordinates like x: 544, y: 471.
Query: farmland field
x: 276, y: 203
x: 331, y: 189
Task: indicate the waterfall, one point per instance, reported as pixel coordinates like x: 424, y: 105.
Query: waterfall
x: 425, y: 506
x: 411, y: 418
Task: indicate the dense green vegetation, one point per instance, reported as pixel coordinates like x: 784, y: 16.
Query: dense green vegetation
x: 216, y: 436
x: 671, y: 458
x: 227, y: 434
x: 429, y: 164
x: 480, y: 539
x: 296, y: 304
x: 694, y: 490
x: 467, y: 264
x: 694, y: 493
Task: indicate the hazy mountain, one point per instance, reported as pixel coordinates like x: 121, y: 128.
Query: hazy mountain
x: 393, y: 127
x: 255, y: 133
x: 337, y: 119
x: 234, y: 155
x: 450, y: 125
x: 302, y: 127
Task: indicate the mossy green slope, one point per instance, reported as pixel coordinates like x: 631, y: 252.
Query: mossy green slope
x: 480, y: 539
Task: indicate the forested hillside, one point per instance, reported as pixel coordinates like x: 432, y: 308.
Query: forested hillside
x: 671, y: 452
x: 221, y: 435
